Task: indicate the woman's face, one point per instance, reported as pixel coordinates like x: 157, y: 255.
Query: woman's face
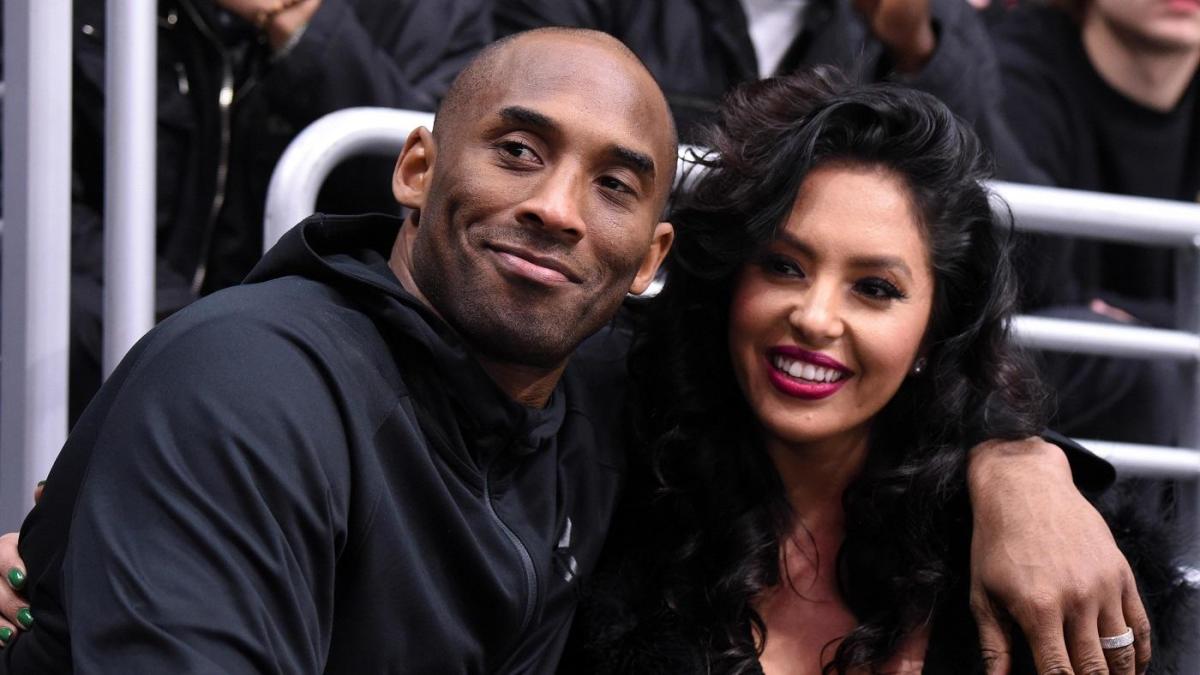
x: 827, y: 320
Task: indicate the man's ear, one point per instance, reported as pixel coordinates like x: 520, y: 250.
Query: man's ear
x: 664, y: 236
x: 414, y: 169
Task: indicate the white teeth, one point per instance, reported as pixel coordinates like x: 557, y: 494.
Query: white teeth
x: 805, y: 371
x: 794, y: 368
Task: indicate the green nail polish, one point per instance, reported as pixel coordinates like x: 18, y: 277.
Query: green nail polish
x: 16, y: 578
x: 25, y: 617
x: 6, y: 634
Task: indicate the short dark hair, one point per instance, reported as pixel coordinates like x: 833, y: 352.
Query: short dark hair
x: 718, y: 504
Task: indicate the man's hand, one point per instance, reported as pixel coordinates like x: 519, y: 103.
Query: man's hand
x: 1043, y: 557
x: 905, y: 27
x: 277, y: 18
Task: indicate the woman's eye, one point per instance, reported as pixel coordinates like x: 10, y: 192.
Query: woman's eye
x: 879, y: 289
x: 782, y: 267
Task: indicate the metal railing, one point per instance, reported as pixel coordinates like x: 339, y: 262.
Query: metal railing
x: 37, y: 236
x: 37, y: 190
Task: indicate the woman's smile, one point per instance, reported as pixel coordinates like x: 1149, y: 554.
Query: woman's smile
x: 804, y: 374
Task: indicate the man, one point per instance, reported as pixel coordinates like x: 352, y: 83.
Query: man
x: 1104, y: 95
x: 385, y: 453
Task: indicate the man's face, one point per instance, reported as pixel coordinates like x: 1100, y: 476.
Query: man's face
x: 544, y: 201
x: 1156, y: 25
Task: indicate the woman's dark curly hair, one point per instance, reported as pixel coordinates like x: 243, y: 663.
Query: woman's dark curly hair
x: 717, y: 508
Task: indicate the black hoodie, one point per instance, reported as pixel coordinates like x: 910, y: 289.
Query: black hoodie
x: 309, y: 473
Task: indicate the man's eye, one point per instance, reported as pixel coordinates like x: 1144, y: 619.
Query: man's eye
x: 517, y: 150
x: 879, y: 289
x: 615, y: 184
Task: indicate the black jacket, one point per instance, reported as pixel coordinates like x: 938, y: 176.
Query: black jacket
x: 1081, y: 133
x: 214, y: 160
x: 700, y: 49
x: 307, y: 474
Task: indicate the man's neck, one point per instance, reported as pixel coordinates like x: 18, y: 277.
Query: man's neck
x: 527, y: 385
x: 1153, y: 77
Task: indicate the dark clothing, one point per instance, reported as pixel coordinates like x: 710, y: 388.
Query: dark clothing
x: 1083, y: 134
x: 700, y: 49
x: 624, y: 627
x: 614, y: 634
x: 227, y: 108
x: 308, y: 473
x: 1078, y: 132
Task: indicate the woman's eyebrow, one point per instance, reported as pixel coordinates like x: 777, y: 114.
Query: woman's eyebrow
x: 884, y: 262
x: 890, y: 262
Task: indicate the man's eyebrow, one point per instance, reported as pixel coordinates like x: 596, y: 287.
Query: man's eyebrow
x: 521, y: 115
x: 640, y: 162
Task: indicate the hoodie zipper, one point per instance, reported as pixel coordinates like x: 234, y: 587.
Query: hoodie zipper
x: 224, y: 105
x: 522, y: 551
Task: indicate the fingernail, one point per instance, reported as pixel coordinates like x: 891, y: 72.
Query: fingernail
x: 41, y: 483
x: 6, y: 634
x: 25, y: 617
x: 16, y: 578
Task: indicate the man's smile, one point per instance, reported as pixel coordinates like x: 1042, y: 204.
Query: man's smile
x: 537, y: 267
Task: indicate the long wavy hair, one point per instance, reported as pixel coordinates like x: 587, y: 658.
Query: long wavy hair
x: 716, y: 510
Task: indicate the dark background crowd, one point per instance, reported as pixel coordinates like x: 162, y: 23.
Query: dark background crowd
x: 1087, y: 94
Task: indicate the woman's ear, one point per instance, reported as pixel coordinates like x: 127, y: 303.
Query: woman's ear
x: 660, y: 244
x: 414, y: 169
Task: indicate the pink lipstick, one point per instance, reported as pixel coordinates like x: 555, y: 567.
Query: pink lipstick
x: 803, y: 374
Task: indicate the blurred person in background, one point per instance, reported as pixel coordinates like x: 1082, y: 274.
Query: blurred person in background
x: 700, y: 49
x: 1102, y: 95
x: 237, y: 80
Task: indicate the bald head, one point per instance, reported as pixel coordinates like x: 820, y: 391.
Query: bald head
x: 501, y: 64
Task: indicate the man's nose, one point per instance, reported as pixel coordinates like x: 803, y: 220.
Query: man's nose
x: 555, y: 205
x: 817, y: 315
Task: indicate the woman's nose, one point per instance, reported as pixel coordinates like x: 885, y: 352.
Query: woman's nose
x: 817, y: 317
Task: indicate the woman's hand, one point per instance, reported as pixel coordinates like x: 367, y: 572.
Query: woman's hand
x: 14, y: 609
x: 1042, y: 557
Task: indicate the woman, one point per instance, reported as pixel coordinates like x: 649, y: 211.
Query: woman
x: 838, y: 271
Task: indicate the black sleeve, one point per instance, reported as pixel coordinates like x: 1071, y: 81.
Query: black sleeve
x: 1035, y: 119
x: 1034, y: 106
x: 963, y: 73
x: 1091, y: 472
x: 377, y: 53
x: 206, y: 529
